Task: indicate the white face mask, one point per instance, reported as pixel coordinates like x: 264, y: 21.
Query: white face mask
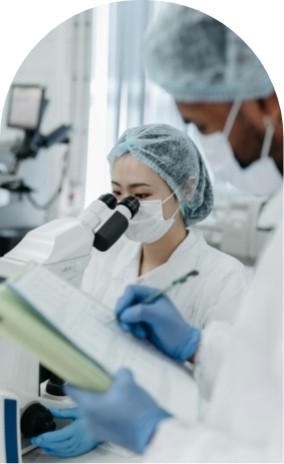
x: 149, y: 224
x: 260, y: 178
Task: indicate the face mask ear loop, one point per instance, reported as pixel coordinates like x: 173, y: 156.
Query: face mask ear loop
x: 171, y: 195
x: 232, y: 117
x: 175, y: 213
x: 269, y: 131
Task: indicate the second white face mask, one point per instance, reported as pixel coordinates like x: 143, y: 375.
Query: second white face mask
x: 149, y: 224
x: 260, y: 178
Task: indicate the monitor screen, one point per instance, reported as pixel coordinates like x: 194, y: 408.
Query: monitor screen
x: 25, y: 106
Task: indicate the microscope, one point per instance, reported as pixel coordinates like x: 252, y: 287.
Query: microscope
x: 64, y: 246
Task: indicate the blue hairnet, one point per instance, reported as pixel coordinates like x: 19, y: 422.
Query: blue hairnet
x: 196, y: 58
x: 173, y: 155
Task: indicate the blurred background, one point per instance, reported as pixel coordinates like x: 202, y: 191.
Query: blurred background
x: 72, y: 97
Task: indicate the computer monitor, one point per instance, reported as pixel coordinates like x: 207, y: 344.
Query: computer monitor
x: 25, y: 108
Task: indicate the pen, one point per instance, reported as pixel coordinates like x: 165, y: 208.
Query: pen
x: 159, y: 293
x: 180, y: 280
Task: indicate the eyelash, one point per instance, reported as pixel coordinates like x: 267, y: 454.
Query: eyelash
x: 142, y: 195
x: 137, y: 195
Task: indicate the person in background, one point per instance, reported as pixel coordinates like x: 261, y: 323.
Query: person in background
x: 221, y: 86
x: 164, y: 170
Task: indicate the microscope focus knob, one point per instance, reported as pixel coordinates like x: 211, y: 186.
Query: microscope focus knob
x: 36, y: 419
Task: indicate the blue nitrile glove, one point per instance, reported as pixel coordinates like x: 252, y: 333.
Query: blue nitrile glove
x: 159, y: 322
x: 70, y: 441
x: 125, y: 414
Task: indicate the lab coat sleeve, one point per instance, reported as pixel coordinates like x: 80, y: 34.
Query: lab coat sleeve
x: 176, y: 441
x: 210, y: 354
x: 245, y: 420
x: 228, y: 292
x: 218, y: 324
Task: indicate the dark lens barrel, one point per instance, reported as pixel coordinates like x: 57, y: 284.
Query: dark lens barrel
x: 35, y: 420
x: 110, y: 231
x: 132, y: 204
x: 109, y: 200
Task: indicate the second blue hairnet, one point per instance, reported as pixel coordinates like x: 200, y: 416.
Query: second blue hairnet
x: 196, y: 58
x: 174, y: 156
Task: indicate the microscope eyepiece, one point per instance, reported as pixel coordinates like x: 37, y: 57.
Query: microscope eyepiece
x: 109, y: 200
x: 117, y: 224
x: 131, y: 203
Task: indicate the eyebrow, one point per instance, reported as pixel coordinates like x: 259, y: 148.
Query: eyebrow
x: 140, y: 184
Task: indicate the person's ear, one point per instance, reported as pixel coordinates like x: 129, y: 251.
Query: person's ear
x: 256, y: 110
x: 270, y: 107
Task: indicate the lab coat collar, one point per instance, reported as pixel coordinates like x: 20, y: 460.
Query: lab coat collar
x: 127, y: 260
x: 180, y: 262
x: 272, y: 212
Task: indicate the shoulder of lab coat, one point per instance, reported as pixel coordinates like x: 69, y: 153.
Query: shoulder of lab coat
x: 225, y: 281
x: 272, y: 212
x: 245, y: 420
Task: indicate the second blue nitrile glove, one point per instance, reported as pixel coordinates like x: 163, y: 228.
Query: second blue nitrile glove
x: 125, y: 414
x: 72, y: 440
x: 159, y: 322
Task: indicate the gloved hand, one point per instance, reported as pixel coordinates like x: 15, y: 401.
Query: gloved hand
x: 125, y: 414
x: 70, y: 441
x: 159, y: 322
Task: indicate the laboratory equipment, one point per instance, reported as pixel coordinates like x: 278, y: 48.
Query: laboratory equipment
x: 10, y: 443
x: 55, y: 385
x: 64, y: 246
x: 26, y: 106
x: 4, y: 195
x: 35, y: 420
x: 74, y: 440
x: 232, y: 226
x: 11, y: 236
x: 26, y: 110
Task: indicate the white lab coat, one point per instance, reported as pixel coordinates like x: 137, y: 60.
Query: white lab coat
x: 215, y: 294
x: 245, y: 420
